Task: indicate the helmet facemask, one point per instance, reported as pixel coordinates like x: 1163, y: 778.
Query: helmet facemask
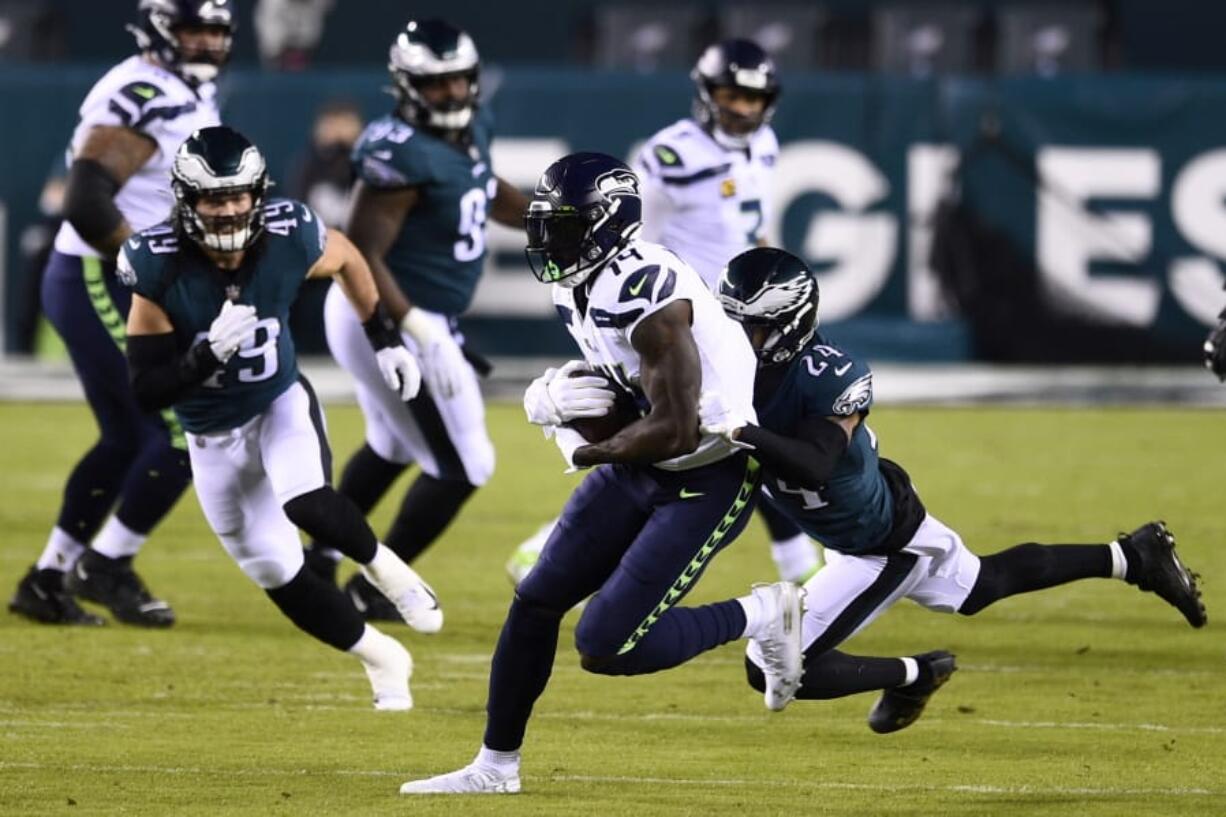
x: 567, y: 245
x: 415, y: 64
x: 160, y: 35
x: 192, y: 179
x: 742, y: 66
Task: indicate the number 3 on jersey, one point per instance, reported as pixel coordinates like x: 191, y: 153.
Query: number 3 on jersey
x: 473, y: 209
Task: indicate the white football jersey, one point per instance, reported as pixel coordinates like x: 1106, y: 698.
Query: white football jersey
x: 159, y: 104
x: 639, y: 282
x: 703, y: 201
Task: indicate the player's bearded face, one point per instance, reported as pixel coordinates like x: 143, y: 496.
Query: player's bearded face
x: 738, y: 111
x: 226, y: 220
x: 204, y: 45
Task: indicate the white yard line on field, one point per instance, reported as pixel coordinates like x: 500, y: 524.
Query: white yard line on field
x: 823, y: 785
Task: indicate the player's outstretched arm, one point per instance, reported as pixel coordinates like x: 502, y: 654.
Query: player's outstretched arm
x: 806, y: 458
x: 509, y: 205
x: 107, y: 159
x: 374, y: 223
x: 671, y: 375
x: 342, y: 261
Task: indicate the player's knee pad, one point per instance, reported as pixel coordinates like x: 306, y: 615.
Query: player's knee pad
x: 269, y: 571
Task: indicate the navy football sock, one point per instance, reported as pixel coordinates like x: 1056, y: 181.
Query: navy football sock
x: 522, y: 664
x: 427, y: 510
x: 154, y: 483
x: 319, y: 609
x: 1029, y: 567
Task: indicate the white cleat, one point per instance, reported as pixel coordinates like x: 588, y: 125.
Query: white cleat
x: 389, y: 667
x: 779, y: 642
x: 472, y: 779
x: 414, y: 599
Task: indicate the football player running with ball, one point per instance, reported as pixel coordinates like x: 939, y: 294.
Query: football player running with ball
x: 706, y: 185
x: 208, y: 335
x: 820, y: 462
x: 661, y: 500
x: 426, y: 187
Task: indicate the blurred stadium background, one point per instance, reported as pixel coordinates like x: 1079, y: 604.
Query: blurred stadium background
x: 983, y: 181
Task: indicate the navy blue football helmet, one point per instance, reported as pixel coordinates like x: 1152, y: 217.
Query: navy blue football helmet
x: 156, y: 32
x: 740, y: 64
x: 426, y: 51
x: 585, y: 209
x: 771, y: 289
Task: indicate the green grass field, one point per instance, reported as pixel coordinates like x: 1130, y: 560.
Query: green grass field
x: 1092, y: 699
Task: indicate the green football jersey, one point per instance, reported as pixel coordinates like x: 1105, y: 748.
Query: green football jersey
x: 178, y: 277
x: 438, y: 256
x: 867, y: 505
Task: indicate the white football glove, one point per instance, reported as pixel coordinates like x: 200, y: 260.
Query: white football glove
x: 400, y: 371
x: 443, y: 366
x: 555, y: 397
x: 537, y: 403
x: 715, y: 417
x: 587, y: 395
x: 233, y: 326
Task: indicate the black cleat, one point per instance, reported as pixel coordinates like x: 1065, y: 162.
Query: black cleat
x: 369, y: 602
x: 114, y: 584
x: 900, y: 707
x: 1154, y: 567
x: 40, y: 597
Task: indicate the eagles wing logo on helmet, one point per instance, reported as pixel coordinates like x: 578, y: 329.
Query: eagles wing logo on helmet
x: 770, y: 302
x: 855, y: 397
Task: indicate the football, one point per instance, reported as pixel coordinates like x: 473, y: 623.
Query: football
x: 599, y: 429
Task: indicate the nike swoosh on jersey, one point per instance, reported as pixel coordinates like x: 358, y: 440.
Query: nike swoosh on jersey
x: 842, y: 370
x: 686, y: 493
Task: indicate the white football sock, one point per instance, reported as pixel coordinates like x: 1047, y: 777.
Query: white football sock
x: 911, y: 666
x: 61, y: 552
x: 757, y: 613
x: 116, y: 540
x: 796, y: 559
x: 503, y: 761
x: 1119, y: 563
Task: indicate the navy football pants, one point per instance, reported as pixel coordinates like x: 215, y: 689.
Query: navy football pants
x: 639, y: 538
x: 135, y: 461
